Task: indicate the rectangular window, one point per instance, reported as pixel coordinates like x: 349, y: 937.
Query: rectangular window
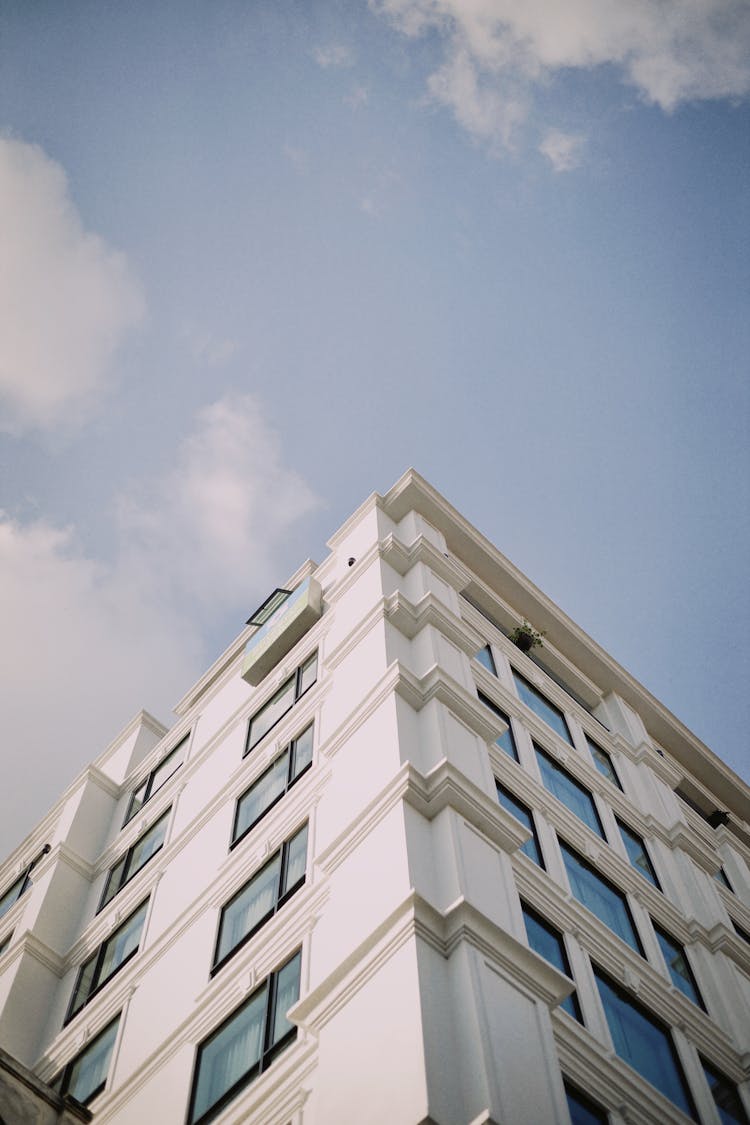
x: 245, y: 1044
x: 485, y: 657
x: 573, y: 795
x: 679, y: 967
x: 512, y: 805
x: 14, y: 892
x: 109, y: 958
x: 637, y: 854
x: 85, y: 1076
x: 505, y: 741
x: 644, y: 1043
x: 545, y: 940
x: 603, y: 762
x: 726, y: 1096
x: 582, y: 1110
x: 720, y: 876
x: 541, y: 706
x: 272, y: 784
x: 260, y: 898
x: 599, y: 896
x: 135, y: 858
x: 158, y: 777
x: 284, y: 699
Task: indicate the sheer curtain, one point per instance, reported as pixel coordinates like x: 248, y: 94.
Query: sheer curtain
x: 252, y: 904
x: 230, y: 1054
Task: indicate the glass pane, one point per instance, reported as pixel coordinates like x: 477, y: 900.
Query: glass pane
x: 114, y: 881
x: 308, y: 674
x: 137, y: 800
x: 270, y: 785
x: 230, y: 1054
x: 542, y: 707
x: 558, y: 781
x: 506, y: 740
x: 249, y: 907
x: 287, y: 994
x: 726, y: 1097
x: 520, y: 812
x: 545, y: 941
x: 277, y: 706
x: 165, y: 769
x: 122, y: 944
x: 679, y: 970
x: 582, y: 1111
x: 89, y: 1072
x: 12, y: 895
x: 600, y: 897
x: 303, y: 751
x: 644, y: 1043
x: 637, y: 854
x: 148, y: 845
x: 296, y: 859
x: 84, y: 984
x: 485, y: 657
x: 603, y: 762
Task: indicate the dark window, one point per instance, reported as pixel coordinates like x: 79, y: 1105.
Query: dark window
x: 721, y: 878
x: 85, y: 1076
x: 505, y: 741
x: 582, y: 1110
x: 643, y: 1042
x: 261, y: 897
x: 284, y: 699
x: 272, y: 784
x: 512, y: 805
x: 637, y: 854
x: 542, y: 707
x: 679, y: 967
x: 5, y: 942
x: 573, y: 795
x: 599, y: 896
x: 740, y: 932
x: 545, y: 940
x: 135, y: 858
x: 266, y: 610
x: 603, y: 762
x: 726, y: 1096
x: 485, y: 657
x: 109, y: 958
x: 245, y: 1044
x: 158, y: 777
x: 14, y: 892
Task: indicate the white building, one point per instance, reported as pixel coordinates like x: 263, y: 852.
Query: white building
x: 386, y: 868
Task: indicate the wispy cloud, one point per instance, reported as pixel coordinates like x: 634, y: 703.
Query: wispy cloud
x: 333, y: 55
x: 563, y: 150
x: 207, y: 348
x: 358, y: 97
x: 67, y: 299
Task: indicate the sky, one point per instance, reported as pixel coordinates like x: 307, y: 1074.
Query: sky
x: 258, y: 258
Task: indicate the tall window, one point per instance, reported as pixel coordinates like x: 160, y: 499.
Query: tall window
x: 726, y: 1096
x: 545, y: 940
x: 158, y: 777
x: 14, y: 892
x: 272, y: 784
x: 505, y: 741
x: 603, y: 762
x: 599, y: 896
x: 109, y: 958
x: 85, y: 1076
x: 261, y: 897
x: 512, y: 805
x: 135, y: 858
x: 643, y: 1042
x: 582, y: 1110
x: 485, y: 657
x: 573, y: 795
x: 284, y: 699
x: 637, y: 854
x: 679, y: 967
x: 541, y: 706
x: 245, y: 1044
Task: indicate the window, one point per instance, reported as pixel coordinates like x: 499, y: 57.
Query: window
x: 542, y: 707
x: 158, y: 777
x: 740, y: 932
x: 603, y: 762
x: 582, y: 1110
x: 720, y: 876
x: 261, y: 897
x: 726, y: 1096
x: 599, y: 896
x: 505, y: 741
x: 284, y: 699
x: 644, y: 1043
x: 679, y: 967
x: 5, y: 942
x: 266, y: 610
x: 548, y: 943
x: 245, y: 1044
x: 573, y: 795
x: 135, y: 858
x: 14, y: 892
x: 109, y: 958
x: 272, y: 784
x: 531, y: 848
x: 637, y: 854
x: 485, y: 657
x: 86, y: 1075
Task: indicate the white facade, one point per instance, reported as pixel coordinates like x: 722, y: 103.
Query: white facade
x: 421, y: 997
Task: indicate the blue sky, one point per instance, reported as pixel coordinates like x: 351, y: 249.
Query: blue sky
x: 260, y: 258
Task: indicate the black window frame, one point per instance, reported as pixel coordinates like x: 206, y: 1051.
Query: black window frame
x: 291, y: 779
x: 22, y: 882
x: 98, y: 981
x: 61, y: 1082
x: 535, y: 693
x: 127, y: 860
x: 710, y: 1071
x: 489, y: 665
x: 147, y: 785
x: 513, y: 800
x: 296, y: 677
x: 606, y: 767
x: 540, y: 752
x: 498, y: 711
x: 573, y: 1093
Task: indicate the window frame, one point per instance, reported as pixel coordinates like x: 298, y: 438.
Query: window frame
x: 98, y: 980
x: 628, y: 834
x: 572, y: 1092
x: 576, y: 785
x: 127, y: 860
x: 602, y: 760
x: 291, y: 779
x: 711, y: 1071
x: 490, y: 704
x: 558, y: 937
x: 534, y: 838
x: 297, y: 679
x: 22, y: 882
x: 566, y: 848
x: 662, y: 939
x: 61, y: 1082
x: 535, y: 694
x: 489, y: 664
x: 147, y: 784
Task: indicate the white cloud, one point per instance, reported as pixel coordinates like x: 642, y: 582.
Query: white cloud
x: 334, y: 55
x: 206, y: 348
x: 66, y: 298
x: 563, y: 150
x: 87, y: 643
x: 496, y: 51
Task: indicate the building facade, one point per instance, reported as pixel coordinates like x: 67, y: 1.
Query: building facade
x: 388, y: 868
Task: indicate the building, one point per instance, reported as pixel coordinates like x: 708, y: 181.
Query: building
x: 387, y: 868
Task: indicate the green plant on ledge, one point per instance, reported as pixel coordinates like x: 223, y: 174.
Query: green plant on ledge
x: 526, y: 637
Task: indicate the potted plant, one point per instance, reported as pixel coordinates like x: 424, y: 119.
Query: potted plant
x: 526, y: 637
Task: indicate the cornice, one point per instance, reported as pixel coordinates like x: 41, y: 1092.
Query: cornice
x: 411, y: 618
x: 403, y: 557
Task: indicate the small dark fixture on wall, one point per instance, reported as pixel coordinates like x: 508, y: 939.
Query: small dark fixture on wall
x: 352, y: 561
